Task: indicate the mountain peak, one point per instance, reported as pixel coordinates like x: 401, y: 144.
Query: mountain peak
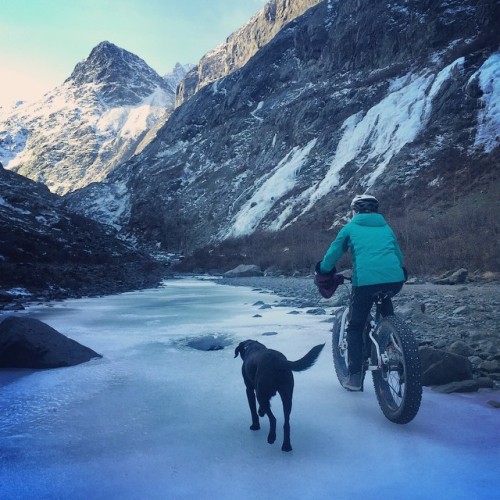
x: 179, y: 71
x: 113, y: 102
x: 106, y: 46
x: 123, y: 77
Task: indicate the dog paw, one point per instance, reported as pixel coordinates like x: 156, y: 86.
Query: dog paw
x: 254, y: 427
x: 271, y: 438
x: 286, y: 447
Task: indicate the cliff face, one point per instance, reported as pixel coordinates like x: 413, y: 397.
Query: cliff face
x: 241, y: 45
x: 398, y: 99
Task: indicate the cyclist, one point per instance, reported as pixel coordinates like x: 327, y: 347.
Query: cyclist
x: 377, y: 266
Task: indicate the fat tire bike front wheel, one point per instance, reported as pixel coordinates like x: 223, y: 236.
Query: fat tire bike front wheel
x: 339, y: 346
x: 397, y: 382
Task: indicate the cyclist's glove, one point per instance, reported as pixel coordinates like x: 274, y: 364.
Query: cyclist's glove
x: 327, y: 283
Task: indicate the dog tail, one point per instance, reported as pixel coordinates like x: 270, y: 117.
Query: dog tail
x: 307, y: 361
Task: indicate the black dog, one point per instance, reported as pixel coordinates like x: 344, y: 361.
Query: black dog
x: 265, y: 372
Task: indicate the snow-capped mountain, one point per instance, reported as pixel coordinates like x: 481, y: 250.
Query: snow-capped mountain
x: 399, y: 98
x: 99, y: 117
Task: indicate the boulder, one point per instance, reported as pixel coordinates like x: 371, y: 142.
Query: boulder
x: 458, y: 277
x: 486, y: 383
x: 452, y: 278
x: 6, y: 296
x: 273, y: 271
x: 441, y: 367
x: 30, y: 343
x: 317, y: 311
x: 243, y: 270
x: 458, y: 386
x: 469, y: 385
x: 411, y: 310
x: 460, y: 347
x: 490, y: 365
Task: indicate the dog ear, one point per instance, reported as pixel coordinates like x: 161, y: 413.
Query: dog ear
x: 237, y: 351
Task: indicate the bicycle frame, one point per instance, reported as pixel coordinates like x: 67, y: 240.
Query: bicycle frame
x: 371, y: 334
x: 373, y: 327
x: 377, y: 348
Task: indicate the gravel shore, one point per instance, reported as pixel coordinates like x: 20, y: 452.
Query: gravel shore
x: 464, y: 319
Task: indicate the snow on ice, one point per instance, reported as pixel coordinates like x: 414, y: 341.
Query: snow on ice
x: 156, y: 419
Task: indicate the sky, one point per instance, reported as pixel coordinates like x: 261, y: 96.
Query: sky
x: 41, y: 41
x: 157, y: 419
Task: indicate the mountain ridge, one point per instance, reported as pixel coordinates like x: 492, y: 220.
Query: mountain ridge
x: 98, y: 118
x: 241, y: 45
x: 48, y: 252
x: 114, y: 71
x: 350, y: 96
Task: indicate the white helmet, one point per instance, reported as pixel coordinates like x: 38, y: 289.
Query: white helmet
x: 364, y: 203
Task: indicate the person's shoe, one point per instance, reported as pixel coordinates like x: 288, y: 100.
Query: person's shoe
x: 354, y: 382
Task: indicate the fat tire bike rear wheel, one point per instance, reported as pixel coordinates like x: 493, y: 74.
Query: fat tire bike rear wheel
x: 398, y: 381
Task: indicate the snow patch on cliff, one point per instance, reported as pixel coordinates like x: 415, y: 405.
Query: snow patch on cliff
x: 488, y: 132
x: 278, y: 183
x: 375, y: 137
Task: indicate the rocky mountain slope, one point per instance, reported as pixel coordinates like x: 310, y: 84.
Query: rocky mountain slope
x: 49, y: 252
x: 397, y: 98
x: 241, y: 45
x: 106, y: 111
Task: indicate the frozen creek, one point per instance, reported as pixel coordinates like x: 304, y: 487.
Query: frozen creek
x: 156, y: 419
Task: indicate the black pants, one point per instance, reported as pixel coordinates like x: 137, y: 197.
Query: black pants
x: 362, y: 298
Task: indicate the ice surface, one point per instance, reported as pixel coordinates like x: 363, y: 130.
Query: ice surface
x: 488, y: 133
x: 278, y: 183
x: 155, y: 419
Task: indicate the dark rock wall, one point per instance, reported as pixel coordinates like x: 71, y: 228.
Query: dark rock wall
x: 338, y: 61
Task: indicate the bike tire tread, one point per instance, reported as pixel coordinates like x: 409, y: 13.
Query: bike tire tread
x: 413, y: 391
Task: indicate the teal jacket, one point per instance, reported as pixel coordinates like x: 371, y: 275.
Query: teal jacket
x: 376, y: 255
